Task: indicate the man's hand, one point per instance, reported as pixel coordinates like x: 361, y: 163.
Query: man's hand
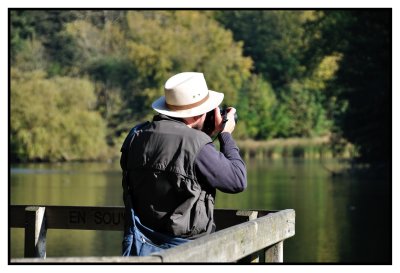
x: 219, y: 124
x: 230, y: 124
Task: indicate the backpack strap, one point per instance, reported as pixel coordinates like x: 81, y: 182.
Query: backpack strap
x: 128, y: 240
x: 128, y: 142
x: 124, y: 161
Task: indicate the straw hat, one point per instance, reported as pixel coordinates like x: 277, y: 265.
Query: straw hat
x: 187, y: 95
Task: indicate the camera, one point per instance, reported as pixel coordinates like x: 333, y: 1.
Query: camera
x: 209, y: 122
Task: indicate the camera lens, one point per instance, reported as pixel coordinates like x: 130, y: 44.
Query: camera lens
x: 209, y: 123
x: 224, y: 112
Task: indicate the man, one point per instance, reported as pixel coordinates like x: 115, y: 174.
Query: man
x: 172, y: 169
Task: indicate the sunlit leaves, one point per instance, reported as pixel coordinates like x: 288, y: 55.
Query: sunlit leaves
x: 164, y: 43
x: 53, y: 119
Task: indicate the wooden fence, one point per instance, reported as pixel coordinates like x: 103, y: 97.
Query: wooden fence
x: 242, y: 236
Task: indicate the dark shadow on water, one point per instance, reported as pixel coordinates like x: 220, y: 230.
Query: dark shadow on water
x: 370, y: 217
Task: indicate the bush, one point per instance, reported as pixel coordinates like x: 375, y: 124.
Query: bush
x: 53, y: 119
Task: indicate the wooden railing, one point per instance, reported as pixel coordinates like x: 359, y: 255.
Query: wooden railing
x: 242, y: 236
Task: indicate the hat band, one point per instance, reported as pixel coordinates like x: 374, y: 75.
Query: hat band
x: 188, y: 106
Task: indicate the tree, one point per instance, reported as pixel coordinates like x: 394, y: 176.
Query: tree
x: 256, y: 110
x: 278, y: 42
x: 274, y: 38
x: 363, y: 80
x: 127, y: 56
x: 306, y: 102
x: 53, y: 119
x: 131, y: 58
x: 162, y: 43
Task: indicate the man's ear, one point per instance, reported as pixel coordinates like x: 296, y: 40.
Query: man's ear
x: 190, y: 120
x: 196, y: 118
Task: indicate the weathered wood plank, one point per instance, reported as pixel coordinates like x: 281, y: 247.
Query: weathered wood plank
x: 274, y: 253
x: 88, y: 218
x: 74, y: 217
x: 109, y: 218
x: 230, y: 244
x: 225, y: 218
x: 252, y: 258
x: 227, y: 245
x: 234, y: 243
x: 110, y: 259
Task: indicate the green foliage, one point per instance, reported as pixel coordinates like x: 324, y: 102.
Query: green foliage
x: 256, y: 110
x: 289, y: 74
x: 52, y: 119
x: 274, y: 38
x: 40, y: 24
x: 304, y: 110
x: 305, y: 102
x: 279, y: 51
x: 363, y: 82
x: 101, y: 53
x: 127, y: 55
x: 164, y: 42
x: 31, y: 56
x: 130, y: 61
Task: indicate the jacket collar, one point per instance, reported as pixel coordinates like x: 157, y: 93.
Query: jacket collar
x: 160, y: 117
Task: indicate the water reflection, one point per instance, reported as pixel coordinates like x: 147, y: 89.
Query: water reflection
x: 341, y: 219
x: 305, y: 187
x: 333, y: 216
x: 87, y: 184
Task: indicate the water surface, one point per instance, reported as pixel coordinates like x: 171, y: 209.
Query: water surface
x: 338, y: 220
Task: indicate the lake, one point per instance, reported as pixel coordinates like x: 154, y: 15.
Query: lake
x: 340, y: 219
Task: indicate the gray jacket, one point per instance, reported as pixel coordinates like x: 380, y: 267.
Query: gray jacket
x: 166, y: 193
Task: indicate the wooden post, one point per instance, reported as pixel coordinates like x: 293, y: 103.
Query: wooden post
x: 255, y: 257
x: 35, y: 232
x: 274, y: 253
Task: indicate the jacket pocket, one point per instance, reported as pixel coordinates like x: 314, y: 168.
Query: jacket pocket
x: 201, y: 218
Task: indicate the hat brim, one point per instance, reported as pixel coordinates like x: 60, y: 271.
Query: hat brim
x: 214, y: 100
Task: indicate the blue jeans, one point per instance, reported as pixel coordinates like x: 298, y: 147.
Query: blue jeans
x: 140, y: 240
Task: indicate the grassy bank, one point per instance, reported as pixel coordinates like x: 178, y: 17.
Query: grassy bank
x: 315, y: 148
x: 318, y: 147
